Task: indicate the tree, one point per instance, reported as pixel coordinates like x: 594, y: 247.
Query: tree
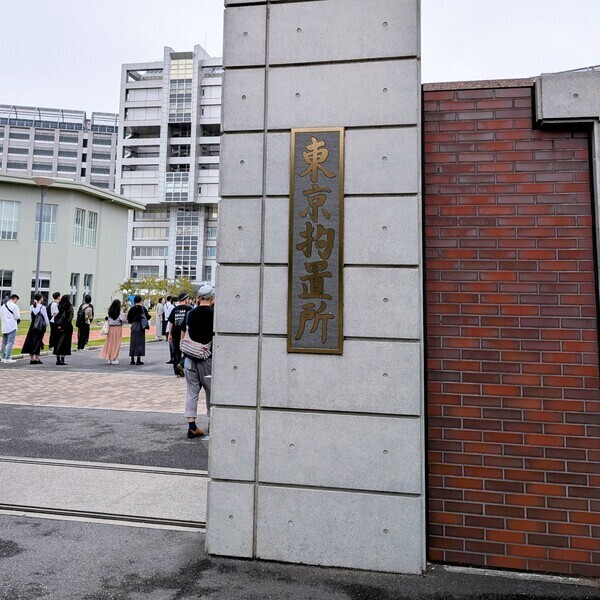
x: 155, y: 287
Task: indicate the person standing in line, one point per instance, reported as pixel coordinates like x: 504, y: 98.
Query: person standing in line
x: 177, y: 320
x: 112, y: 347
x: 140, y: 321
x: 52, y: 312
x: 160, y: 317
x: 11, y: 317
x: 64, y: 330
x: 198, y: 371
x: 85, y: 315
x: 34, y: 341
x: 169, y: 306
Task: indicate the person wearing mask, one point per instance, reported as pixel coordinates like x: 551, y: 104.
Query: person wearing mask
x: 198, y: 368
x: 140, y: 321
x: 112, y: 347
x: 11, y: 317
x: 52, y: 312
x: 160, y: 317
x: 85, y: 315
x: 34, y: 341
x: 177, y: 329
x: 64, y: 330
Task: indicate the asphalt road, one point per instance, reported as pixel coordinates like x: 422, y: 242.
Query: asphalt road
x: 62, y: 560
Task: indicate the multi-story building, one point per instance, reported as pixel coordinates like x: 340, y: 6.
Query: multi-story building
x: 61, y: 143
x: 168, y: 157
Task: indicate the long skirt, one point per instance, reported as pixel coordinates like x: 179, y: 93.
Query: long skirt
x: 112, y: 345
x: 137, y: 345
x: 64, y: 339
x: 34, y: 342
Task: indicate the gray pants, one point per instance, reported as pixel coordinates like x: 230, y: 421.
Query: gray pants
x: 195, y: 377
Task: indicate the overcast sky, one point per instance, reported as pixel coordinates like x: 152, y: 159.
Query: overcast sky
x: 68, y: 53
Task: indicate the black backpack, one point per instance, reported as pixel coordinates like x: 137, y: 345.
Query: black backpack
x: 80, y: 321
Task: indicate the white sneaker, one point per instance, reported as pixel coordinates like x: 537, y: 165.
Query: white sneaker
x: 9, y: 360
x: 109, y: 362
x: 115, y: 362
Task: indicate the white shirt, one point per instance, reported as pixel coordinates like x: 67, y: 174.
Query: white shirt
x: 10, y: 315
x: 53, y: 311
x: 168, y: 308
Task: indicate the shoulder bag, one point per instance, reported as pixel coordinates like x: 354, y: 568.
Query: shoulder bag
x: 194, y: 349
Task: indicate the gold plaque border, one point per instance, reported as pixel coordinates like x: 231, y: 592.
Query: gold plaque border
x: 340, y: 341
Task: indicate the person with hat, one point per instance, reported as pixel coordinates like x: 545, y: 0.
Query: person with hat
x: 198, y: 371
x: 177, y: 320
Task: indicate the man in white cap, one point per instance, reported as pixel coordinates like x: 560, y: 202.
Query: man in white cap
x: 198, y: 371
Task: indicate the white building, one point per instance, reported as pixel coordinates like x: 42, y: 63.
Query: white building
x: 84, y: 236
x: 168, y: 157
x: 56, y: 142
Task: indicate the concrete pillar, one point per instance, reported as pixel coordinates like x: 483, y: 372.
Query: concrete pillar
x: 317, y: 458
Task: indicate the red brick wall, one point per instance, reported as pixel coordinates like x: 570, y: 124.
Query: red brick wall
x: 513, y: 391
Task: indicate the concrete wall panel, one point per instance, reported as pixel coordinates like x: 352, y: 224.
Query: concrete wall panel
x: 231, y: 514
x: 382, y: 161
x: 243, y: 100
x: 276, y: 230
x: 373, y: 377
x: 241, y: 169
x: 312, y: 449
x: 246, y: 36
x: 233, y: 443
x: 331, y: 528
x: 234, y: 378
x: 274, y: 309
x: 239, y: 230
x: 237, y: 299
x: 278, y: 164
x: 363, y: 94
x: 391, y: 306
x: 381, y: 231
x: 387, y: 29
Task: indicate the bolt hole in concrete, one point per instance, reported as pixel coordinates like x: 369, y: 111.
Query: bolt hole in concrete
x: 240, y: 228
x: 385, y: 300
x: 292, y: 446
x: 235, y: 367
x: 297, y: 95
x: 385, y: 374
x: 384, y: 158
x: 384, y: 90
x: 241, y: 162
x: 290, y: 523
x: 385, y: 452
x: 243, y: 96
x: 293, y: 370
x: 384, y: 228
x: 385, y: 23
x: 231, y: 516
x: 299, y: 30
x: 385, y: 531
x: 245, y: 34
x: 237, y: 296
x: 233, y: 441
x: 575, y: 95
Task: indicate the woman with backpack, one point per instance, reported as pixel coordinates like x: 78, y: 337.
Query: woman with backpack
x: 34, y: 342
x: 64, y: 329
x: 115, y: 320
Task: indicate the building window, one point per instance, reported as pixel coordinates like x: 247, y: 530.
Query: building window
x: 43, y: 151
x: 100, y: 184
x: 67, y: 168
x: 14, y: 150
x: 211, y: 252
x: 212, y: 212
x: 44, y: 287
x: 10, y: 213
x: 150, y: 233
x: 211, y: 233
x: 101, y: 170
x: 102, y: 141
x: 48, y: 222
x: 68, y: 139
x: 87, y: 283
x: 74, y: 288
x: 78, y: 227
x: 146, y: 251
x: 44, y: 137
x: 139, y: 271
x: 41, y: 166
x: 91, y: 229
x: 151, y: 215
x: 5, y: 283
x: 100, y: 156
x: 67, y: 153
x: 207, y: 273
x: 18, y: 135
x: 177, y: 187
x: 16, y: 165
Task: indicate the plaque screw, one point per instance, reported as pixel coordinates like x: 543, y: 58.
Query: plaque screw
x: 384, y: 90
x: 237, y: 296
x: 293, y: 370
x: 243, y: 96
x: 292, y: 446
x: 297, y: 94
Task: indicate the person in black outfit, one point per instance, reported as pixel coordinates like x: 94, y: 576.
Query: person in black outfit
x: 83, y: 323
x: 64, y: 330
x: 197, y: 371
x: 139, y: 318
x: 177, y: 330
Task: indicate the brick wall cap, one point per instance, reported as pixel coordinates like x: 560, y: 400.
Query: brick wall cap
x: 477, y: 85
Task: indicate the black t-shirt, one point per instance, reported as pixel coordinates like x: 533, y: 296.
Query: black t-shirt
x: 177, y: 320
x: 200, y: 324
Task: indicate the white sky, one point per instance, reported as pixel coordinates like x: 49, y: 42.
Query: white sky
x: 68, y: 53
